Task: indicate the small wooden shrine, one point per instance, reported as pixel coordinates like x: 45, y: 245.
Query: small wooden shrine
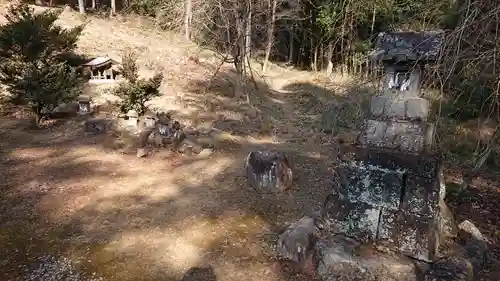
x: 102, y: 69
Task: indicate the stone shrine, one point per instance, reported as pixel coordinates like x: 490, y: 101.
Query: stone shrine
x: 390, y: 183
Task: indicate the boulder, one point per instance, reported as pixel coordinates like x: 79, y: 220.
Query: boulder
x: 296, y: 242
x: 340, y: 258
x: 96, y: 125
x: 475, y: 244
x: 268, y: 171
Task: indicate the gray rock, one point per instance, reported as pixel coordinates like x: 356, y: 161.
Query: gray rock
x: 463, y: 261
x: 343, y: 259
x: 476, y: 244
x: 96, y: 125
x: 296, y: 242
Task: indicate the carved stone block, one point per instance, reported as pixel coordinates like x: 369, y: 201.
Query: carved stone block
x: 424, y: 164
x: 410, y: 234
x: 398, y: 136
x: 372, y: 185
x: 421, y: 195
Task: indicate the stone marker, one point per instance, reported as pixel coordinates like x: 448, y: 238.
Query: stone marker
x: 268, y: 171
x: 133, y: 118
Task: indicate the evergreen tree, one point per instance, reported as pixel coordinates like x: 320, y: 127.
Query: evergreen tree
x: 32, y: 51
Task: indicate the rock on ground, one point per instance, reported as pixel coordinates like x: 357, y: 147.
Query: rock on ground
x: 340, y: 258
x: 296, y: 243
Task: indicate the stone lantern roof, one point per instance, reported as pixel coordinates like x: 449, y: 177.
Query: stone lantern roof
x: 408, y: 46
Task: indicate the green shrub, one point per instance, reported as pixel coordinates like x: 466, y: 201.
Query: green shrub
x: 135, y: 92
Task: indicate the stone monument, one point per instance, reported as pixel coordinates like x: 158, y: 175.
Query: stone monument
x: 390, y: 183
x: 386, y: 216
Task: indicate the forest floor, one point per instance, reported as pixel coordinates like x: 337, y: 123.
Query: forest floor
x: 91, y: 203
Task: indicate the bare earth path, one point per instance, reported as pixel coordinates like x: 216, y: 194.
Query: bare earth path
x: 67, y: 194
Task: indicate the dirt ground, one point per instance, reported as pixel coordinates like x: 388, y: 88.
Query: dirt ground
x: 68, y: 193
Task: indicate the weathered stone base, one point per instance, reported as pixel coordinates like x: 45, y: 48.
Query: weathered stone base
x: 388, y: 199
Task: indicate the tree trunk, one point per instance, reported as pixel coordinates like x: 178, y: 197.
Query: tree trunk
x: 270, y: 35
x: 113, y: 7
x: 187, y: 18
x: 238, y: 55
x: 248, y: 34
x: 81, y: 6
x: 329, y: 67
x: 290, y: 45
x: 373, y: 18
x: 38, y: 114
x: 93, y: 5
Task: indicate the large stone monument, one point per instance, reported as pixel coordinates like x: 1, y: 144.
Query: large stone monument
x: 390, y: 182
x: 389, y: 190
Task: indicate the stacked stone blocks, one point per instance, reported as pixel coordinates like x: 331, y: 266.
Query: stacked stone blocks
x: 390, y: 185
